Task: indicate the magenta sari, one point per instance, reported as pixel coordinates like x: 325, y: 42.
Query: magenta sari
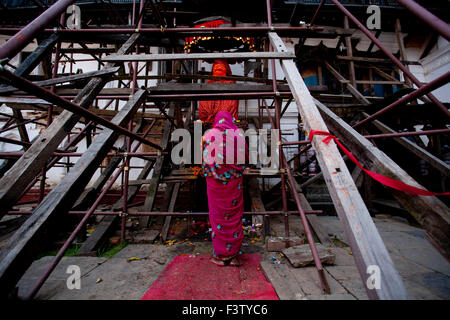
x: 224, y: 184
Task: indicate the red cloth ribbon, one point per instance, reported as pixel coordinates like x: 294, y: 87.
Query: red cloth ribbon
x: 395, y: 184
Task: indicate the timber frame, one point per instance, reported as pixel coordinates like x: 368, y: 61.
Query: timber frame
x: 63, y: 100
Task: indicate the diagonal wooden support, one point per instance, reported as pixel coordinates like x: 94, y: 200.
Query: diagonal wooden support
x: 21, y: 249
x: 25, y: 68
x: 367, y: 246
x: 172, y: 195
x: 314, y: 222
x: 417, y: 150
x: 108, y: 222
x: 257, y: 205
x: 72, y: 78
x: 156, y: 177
x: 420, y: 152
x: 29, y: 165
x: 430, y: 212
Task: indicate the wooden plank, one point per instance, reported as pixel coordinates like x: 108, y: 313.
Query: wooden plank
x: 378, y: 82
x: 24, y: 69
x: 156, y: 177
x: 29, y: 165
x: 383, y: 74
x: 313, y: 221
x: 379, y: 60
x: 420, y: 152
x: 401, y: 46
x: 172, y: 194
x: 349, y: 86
x: 430, y: 212
x: 349, y: 48
x: 36, y: 56
x: 89, y: 194
x: 21, y: 249
x: 97, y: 237
x: 423, y: 154
x: 176, y: 87
x: 367, y: 246
x: 257, y: 205
x: 198, y: 56
x: 76, y: 77
x: 28, y: 104
x: 282, y: 281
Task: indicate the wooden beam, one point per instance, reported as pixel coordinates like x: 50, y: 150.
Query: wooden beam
x: 349, y: 86
x: 30, y: 164
x: 257, y: 205
x: 379, y: 60
x: 313, y: 221
x: 198, y: 56
x: 97, y: 237
x: 401, y: 47
x: 23, y: 246
x: 420, y: 152
x: 176, y: 87
x: 378, y: 82
x: 172, y: 194
x: 423, y: 154
x: 156, y: 177
x: 177, y: 186
x: 75, y: 77
x: 351, y: 64
x: 430, y: 212
x: 24, y: 69
x: 383, y: 74
x: 89, y: 194
x: 367, y: 246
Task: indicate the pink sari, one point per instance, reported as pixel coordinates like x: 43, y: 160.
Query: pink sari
x: 224, y: 184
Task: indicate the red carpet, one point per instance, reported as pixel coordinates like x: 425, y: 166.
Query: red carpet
x: 194, y: 277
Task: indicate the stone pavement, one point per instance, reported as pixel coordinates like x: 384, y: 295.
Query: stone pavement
x: 425, y: 272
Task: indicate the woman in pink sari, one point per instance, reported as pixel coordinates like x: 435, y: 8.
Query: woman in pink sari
x: 224, y: 155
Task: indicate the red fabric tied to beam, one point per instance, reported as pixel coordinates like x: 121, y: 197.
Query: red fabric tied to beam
x: 208, y: 109
x: 391, y: 183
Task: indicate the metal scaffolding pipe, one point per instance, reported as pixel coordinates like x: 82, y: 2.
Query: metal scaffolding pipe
x: 21, y: 39
x: 434, y: 22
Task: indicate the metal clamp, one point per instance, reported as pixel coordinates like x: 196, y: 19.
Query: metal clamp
x: 122, y: 214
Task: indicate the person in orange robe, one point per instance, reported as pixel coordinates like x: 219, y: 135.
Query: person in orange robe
x: 207, y: 110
